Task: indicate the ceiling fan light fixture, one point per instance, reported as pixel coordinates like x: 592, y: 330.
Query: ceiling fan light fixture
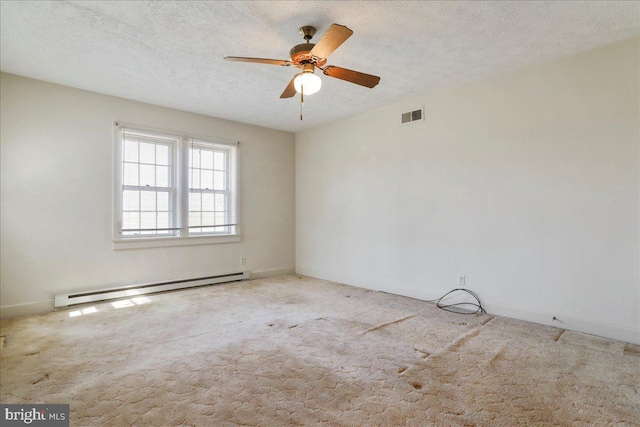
x: 309, y: 56
x: 307, y: 81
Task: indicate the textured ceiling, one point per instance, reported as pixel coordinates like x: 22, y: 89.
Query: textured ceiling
x: 171, y: 53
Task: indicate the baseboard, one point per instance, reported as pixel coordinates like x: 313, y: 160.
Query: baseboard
x: 607, y: 330
x: 413, y: 293
x: 262, y: 274
x: 340, y: 278
x: 26, y: 309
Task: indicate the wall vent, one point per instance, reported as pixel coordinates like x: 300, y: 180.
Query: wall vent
x: 413, y: 116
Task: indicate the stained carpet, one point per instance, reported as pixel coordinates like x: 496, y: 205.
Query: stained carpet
x: 293, y: 350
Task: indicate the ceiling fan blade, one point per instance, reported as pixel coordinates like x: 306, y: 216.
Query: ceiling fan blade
x: 356, y: 77
x: 331, y: 40
x: 290, y: 90
x: 258, y: 60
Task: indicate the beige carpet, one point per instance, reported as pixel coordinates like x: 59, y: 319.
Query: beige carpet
x: 301, y: 351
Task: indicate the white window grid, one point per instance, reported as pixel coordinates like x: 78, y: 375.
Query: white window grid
x: 148, y: 186
x: 167, y: 209
x: 209, y: 189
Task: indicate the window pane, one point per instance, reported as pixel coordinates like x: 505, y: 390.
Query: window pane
x: 219, y: 204
x: 219, y: 160
x: 219, y: 219
x: 194, y: 181
x: 130, y: 220
x: 194, y: 218
x: 148, y: 175
x: 194, y: 158
x: 208, y: 218
x: 162, y: 154
x: 195, y: 203
x: 130, y: 173
x: 206, y: 159
x: 130, y: 151
x: 206, y: 179
x: 163, y: 220
x: 148, y: 201
x: 208, y: 202
x: 218, y: 181
x: 163, y: 201
x: 130, y: 200
x: 162, y: 176
x: 147, y: 220
x: 147, y: 152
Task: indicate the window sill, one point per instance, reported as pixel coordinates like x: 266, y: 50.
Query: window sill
x: 159, y: 242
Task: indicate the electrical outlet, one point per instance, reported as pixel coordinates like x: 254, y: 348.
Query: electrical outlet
x: 243, y: 260
x: 461, y: 280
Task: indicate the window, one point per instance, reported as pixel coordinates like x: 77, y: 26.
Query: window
x: 209, y: 193
x: 148, y: 187
x: 173, y: 189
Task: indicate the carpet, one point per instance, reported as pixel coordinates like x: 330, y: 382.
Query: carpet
x: 294, y: 350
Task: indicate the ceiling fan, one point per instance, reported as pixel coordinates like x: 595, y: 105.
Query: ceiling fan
x: 308, y: 56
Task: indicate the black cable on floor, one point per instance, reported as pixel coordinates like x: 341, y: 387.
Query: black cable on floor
x: 449, y: 307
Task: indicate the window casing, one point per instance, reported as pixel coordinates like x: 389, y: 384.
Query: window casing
x: 173, y: 189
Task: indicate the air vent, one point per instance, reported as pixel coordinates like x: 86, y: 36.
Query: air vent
x: 412, y: 116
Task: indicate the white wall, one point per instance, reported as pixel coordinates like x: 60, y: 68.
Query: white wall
x: 527, y: 183
x: 56, y: 150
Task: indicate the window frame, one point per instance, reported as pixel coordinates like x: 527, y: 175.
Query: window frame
x: 227, y: 191
x: 172, y: 144
x: 181, y: 190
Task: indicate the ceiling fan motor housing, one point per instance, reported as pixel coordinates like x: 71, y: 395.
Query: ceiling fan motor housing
x: 300, y: 54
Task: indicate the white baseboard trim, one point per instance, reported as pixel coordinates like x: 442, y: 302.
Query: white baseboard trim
x: 340, y: 278
x: 26, y: 309
x: 607, y: 330
x: 262, y: 274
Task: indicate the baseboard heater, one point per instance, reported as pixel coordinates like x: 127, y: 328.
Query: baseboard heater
x: 67, y: 300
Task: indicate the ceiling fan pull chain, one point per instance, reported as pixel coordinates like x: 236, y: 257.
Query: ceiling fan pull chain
x: 301, y: 99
